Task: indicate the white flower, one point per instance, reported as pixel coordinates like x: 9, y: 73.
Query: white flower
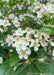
x: 26, y: 41
x: 52, y: 43
x: 1, y: 60
x: 24, y: 54
x: 39, y: 34
x: 48, y: 7
x: 1, y: 30
x: 29, y: 30
x: 43, y: 43
x: 35, y: 44
x: 6, y: 23
x: 16, y: 39
x: 11, y: 16
x: 19, y: 32
x: 52, y: 10
x: 16, y: 23
x: 9, y: 40
x: 20, y: 45
x: 40, y: 13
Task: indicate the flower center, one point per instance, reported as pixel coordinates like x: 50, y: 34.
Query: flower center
x: 17, y: 39
x: 16, y: 23
x: 43, y: 41
x: 35, y: 43
x: 26, y: 40
x: 5, y: 22
x: 29, y: 29
x: 10, y: 40
x: 42, y: 13
x: 23, y: 52
x: 39, y: 33
x: 19, y: 32
x: 20, y: 45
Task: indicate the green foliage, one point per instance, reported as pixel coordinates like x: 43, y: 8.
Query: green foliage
x: 14, y: 59
x: 5, y: 69
x: 35, y: 68
x: 47, y: 29
x: 4, y: 53
x: 10, y: 60
x: 22, y: 69
x: 45, y: 67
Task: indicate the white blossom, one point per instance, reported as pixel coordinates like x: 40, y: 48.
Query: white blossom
x: 24, y: 54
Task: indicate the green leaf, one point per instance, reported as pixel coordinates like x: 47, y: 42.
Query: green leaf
x: 14, y: 59
x: 18, y: 11
x: 45, y: 68
x: 47, y: 29
x: 3, y: 37
x: 22, y: 69
x: 33, y: 69
x: 3, y: 53
x: 5, y: 69
x: 30, y: 12
x: 30, y: 19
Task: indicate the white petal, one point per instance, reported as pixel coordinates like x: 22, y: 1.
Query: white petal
x: 52, y: 43
x: 24, y: 48
x: 27, y: 43
x: 28, y: 52
x: 19, y: 52
x: 36, y: 48
x: 35, y: 35
x: 26, y: 56
x: 37, y: 40
x: 20, y: 56
x: 18, y: 49
x: 31, y: 45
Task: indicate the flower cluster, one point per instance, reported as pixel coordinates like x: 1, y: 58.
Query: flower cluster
x: 24, y: 40
x: 42, y: 9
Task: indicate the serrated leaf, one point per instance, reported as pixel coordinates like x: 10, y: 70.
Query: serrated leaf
x: 45, y: 68
x: 3, y: 53
x: 5, y: 69
x: 33, y: 69
x: 22, y: 69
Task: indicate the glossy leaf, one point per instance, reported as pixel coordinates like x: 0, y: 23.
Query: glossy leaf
x: 45, y: 67
x: 5, y: 69
x: 22, y: 69
x: 47, y: 29
x: 14, y: 59
x: 33, y: 69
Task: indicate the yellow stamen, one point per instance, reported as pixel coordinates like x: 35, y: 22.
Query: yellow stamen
x: 23, y: 52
